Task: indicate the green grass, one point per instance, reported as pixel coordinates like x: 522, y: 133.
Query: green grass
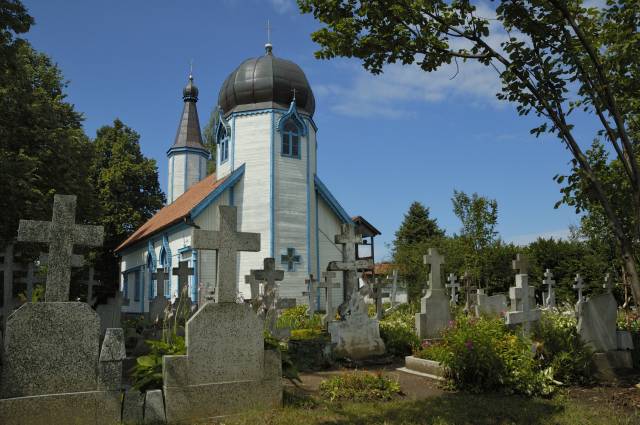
x: 448, y: 409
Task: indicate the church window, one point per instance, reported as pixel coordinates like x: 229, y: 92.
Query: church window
x: 291, y: 139
x: 137, y: 286
x: 223, y: 140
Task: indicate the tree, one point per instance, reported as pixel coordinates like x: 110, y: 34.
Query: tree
x: 126, y: 188
x: 40, y: 133
x: 558, y: 58
x: 209, y: 136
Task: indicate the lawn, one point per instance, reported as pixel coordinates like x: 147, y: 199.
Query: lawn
x: 446, y: 409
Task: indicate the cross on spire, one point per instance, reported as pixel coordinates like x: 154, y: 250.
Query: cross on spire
x: 268, y: 46
x: 62, y: 234
x: 227, y: 241
x: 294, y: 94
x: 436, y: 260
x: 521, y: 264
x: 183, y: 271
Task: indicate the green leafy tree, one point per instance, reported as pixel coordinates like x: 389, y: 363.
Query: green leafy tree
x: 126, y: 188
x: 208, y: 133
x: 558, y: 57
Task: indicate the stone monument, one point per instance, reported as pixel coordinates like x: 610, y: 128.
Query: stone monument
x: 522, y: 311
x: 453, y: 286
x: 54, y: 371
x: 328, y: 283
x: 549, y: 297
x: 490, y: 304
x: 434, y: 313
x: 226, y: 369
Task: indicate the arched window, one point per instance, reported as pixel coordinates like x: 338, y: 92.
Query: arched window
x: 222, y: 137
x: 291, y: 139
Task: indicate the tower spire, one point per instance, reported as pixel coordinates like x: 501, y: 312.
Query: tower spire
x: 268, y: 47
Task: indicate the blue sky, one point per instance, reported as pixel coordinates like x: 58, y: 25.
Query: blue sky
x: 383, y: 141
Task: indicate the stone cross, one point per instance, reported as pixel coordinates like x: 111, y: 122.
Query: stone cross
x: 436, y: 260
x: 521, y: 310
x: 227, y: 242
x: 160, y: 276
x: 269, y: 275
x: 453, y: 285
x: 608, y: 283
x: 349, y: 239
x: 183, y: 271
x: 549, y: 300
x: 394, y: 287
x: 31, y: 279
x: 312, y: 293
x: 466, y: 278
x: 579, y: 286
x: 377, y: 295
x: 254, y: 287
x: 90, y: 284
x: 521, y: 264
x: 290, y: 259
x: 61, y: 234
x: 327, y: 283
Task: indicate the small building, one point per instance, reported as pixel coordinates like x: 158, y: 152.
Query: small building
x: 266, y: 167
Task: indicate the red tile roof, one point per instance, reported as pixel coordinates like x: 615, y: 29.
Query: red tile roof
x: 174, y: 212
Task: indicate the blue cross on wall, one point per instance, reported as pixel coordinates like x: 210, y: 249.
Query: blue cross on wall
x: 290, y: 259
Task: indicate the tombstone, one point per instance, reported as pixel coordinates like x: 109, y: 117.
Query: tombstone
x: 434, y: 313
x: 255, y: 294
x: 468, y: 287
x: 494, y: 305
x: 226, y: 369
x: 158, y: 305
x: 268, y: 309
x: 357, y: 336
x: 183, y: 271
x: 453, y: 286
x: 394, y: 289
x: 579, y: 286
x: 377, y: 295
x: 54, y: 370
x: 549, y: 297
x: 312, y: 293
x: 522, y: 311
x: 328, y: 283
x: 91, y: 283
x: 110, y: 314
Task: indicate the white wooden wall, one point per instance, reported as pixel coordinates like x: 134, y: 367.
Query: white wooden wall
x: 329, y: 226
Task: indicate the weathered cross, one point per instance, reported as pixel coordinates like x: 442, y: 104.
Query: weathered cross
x: 521, y: 310
x: 349, y: 239
x: 468, y: 287
x: 90, y: 285
x: 327, y: 283
x: 62, y: 234
x: 608, y: 283
x: 579, y: 286
x: 77, y: 261
x: 269, y: 275
x: 549, y: 300
x: 453, y: 285
x: 312, y: 293
x: 227, y: 242
x: 377, y: 295
x: 290, y: 259
x: 160, y: 276
x: 436, y: 260
x: 183, y: 271
x: 521, y: 264
x: 254, y: 287
x: 394, y: 287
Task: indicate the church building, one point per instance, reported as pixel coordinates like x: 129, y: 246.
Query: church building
x: 266, y: 167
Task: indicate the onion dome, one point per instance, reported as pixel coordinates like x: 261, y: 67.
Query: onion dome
x: 190, y: 92
x: 188, y: 134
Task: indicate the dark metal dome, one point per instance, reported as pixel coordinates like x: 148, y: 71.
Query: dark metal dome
x: 190, y: 92
x: 266, y: 82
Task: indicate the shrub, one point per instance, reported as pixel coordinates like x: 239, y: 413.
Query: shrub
x: 483, y: 354
x: 629, y: 320
x: 560, y: 349
x: 305, y: 334
x: 359, y: 386
x: 397, y: 330
x: 147, y: 373
x: 298, y: 318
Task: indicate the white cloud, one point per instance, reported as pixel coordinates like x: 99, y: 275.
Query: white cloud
x: 532, y: 237
x: 282, y: 6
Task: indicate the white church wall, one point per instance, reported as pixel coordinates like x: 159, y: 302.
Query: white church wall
x: 194, y: 163
x: 176, y: 176
x: 329, y: 226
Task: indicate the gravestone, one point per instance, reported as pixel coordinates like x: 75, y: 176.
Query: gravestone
x: 394, y: 289
x: 468, y: 287
x: 328, y: 283
x: 378, y: 295
x: 183, y: 271
x: 226, y: 369
x: 549, y: 297
x: 91, y: 283
x: 158, y: 305
x: 269, y: 306
x: 357, y: 336
x: 110, y: 314
x: 579, y: 286
x: 434, y: 313
x: 255, y: 294
x: 54, y: 371
x: 312, y: 294
x: 522, y: 310
x: 490, y: 305
x: 453, y: 286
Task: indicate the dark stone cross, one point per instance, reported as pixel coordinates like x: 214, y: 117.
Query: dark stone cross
x: 327, y: 283
x: 377, y: 295
x: 290, y: 259
x: 468, y: 287
x: 227, y: 242
x: 269, y: 275
x: 254, y: 286
x: 61, y: 234
x: 521, y: 264
x: 183, y: 271
x: 349, y: 265
x: 160, y: 276
x: 312, y: 293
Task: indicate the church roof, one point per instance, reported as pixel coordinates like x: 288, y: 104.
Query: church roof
x: 177, y: 211
x: 188, y: 134
x: 266, y: 82
x: 365, y: 228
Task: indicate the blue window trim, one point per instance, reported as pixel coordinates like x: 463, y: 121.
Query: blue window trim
x: 289, y: 135
x: 333, y: 203
x: 292, y: 114
x: 223, y: 126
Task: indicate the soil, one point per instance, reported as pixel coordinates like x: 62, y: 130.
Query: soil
x: 624, y: 394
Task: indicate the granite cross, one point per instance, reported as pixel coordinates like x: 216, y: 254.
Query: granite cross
x: 269, y: 275
x: 549, y: 300
x: 521, y: 310
x: 454, y: 286
x: 312, y: 293
x: 436, y: 260
x: 468, y: 287
x: 328, y: 283
x: 394, y: 287
x: 62, y: 234
x: 254, y: 287
x: 349, y: 239
x: 227, y: 242
x: 160, y: 276
x: 290, y: 259
x: 521, y: 264
x: 377, y: 295
x: 579, y: 286
x: 183, y: 271
x: 608, y: 283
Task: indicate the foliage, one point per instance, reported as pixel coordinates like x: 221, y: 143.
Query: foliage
x: 397, y: 330
x: 208, y: 134
x: 628, y: 320
x: 289, y: 369
x: 483, y: 355
x: 297, y: 317
x: 302, y: 334
x: 126, y: 188
x: 147, y: 373
x: 359, y: 386
x: 560, y: 349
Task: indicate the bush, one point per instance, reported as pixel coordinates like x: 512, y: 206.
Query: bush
x: 629, y: 320
x: 305, y: 334
x: 484, y: 355
x: 298, y: 318
x: 560, y: 349
x: 397, y: 330
x: 359, y: 386
x: 147, y: 373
